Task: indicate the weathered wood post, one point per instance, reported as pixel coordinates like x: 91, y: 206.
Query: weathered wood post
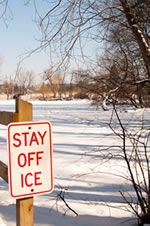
x: 24, y: 207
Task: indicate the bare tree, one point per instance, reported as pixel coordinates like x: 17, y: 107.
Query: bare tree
x: 45, y: 91
x: 121, y: 23
x: 67, y: 22
x: 136, y: 13
x: 8, y: 87
x: 54, y: 80
x: 23, y: 79
x: 82, y: 80
x: 3, y: 9
x: 135, y: 153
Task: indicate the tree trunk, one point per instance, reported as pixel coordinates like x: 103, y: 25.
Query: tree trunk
x: 139, y: 36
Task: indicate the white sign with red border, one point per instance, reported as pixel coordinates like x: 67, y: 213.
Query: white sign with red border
x: 30, y: 159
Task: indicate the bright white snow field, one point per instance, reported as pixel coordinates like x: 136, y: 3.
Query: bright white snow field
x: 84, y: 173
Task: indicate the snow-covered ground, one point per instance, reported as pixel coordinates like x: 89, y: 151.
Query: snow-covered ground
x: 83, y: 172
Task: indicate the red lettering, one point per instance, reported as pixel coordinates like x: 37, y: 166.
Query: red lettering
x: 17, y: 139
x: 22, y: 162
x: 37, y: 178
x: 25, y: 137
x: 31, y: 177
x: 26, y: 181
x: 42, y: 136
x: 30, y: 158
x: 33, y: 139
x: 22, y: 181
x: 38, y: 157
x: 26, y: 159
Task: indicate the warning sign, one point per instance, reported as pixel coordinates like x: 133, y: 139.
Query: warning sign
x: 30, y: 159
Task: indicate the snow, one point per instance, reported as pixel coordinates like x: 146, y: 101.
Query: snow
x: 83, y: 172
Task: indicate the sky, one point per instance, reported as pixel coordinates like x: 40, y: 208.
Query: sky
x: 19, y: 35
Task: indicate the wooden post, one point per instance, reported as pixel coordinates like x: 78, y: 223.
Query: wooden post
x: 6, y: 117
x: 24, y: 212
x: 24, y: 207
x: 4, y: 171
